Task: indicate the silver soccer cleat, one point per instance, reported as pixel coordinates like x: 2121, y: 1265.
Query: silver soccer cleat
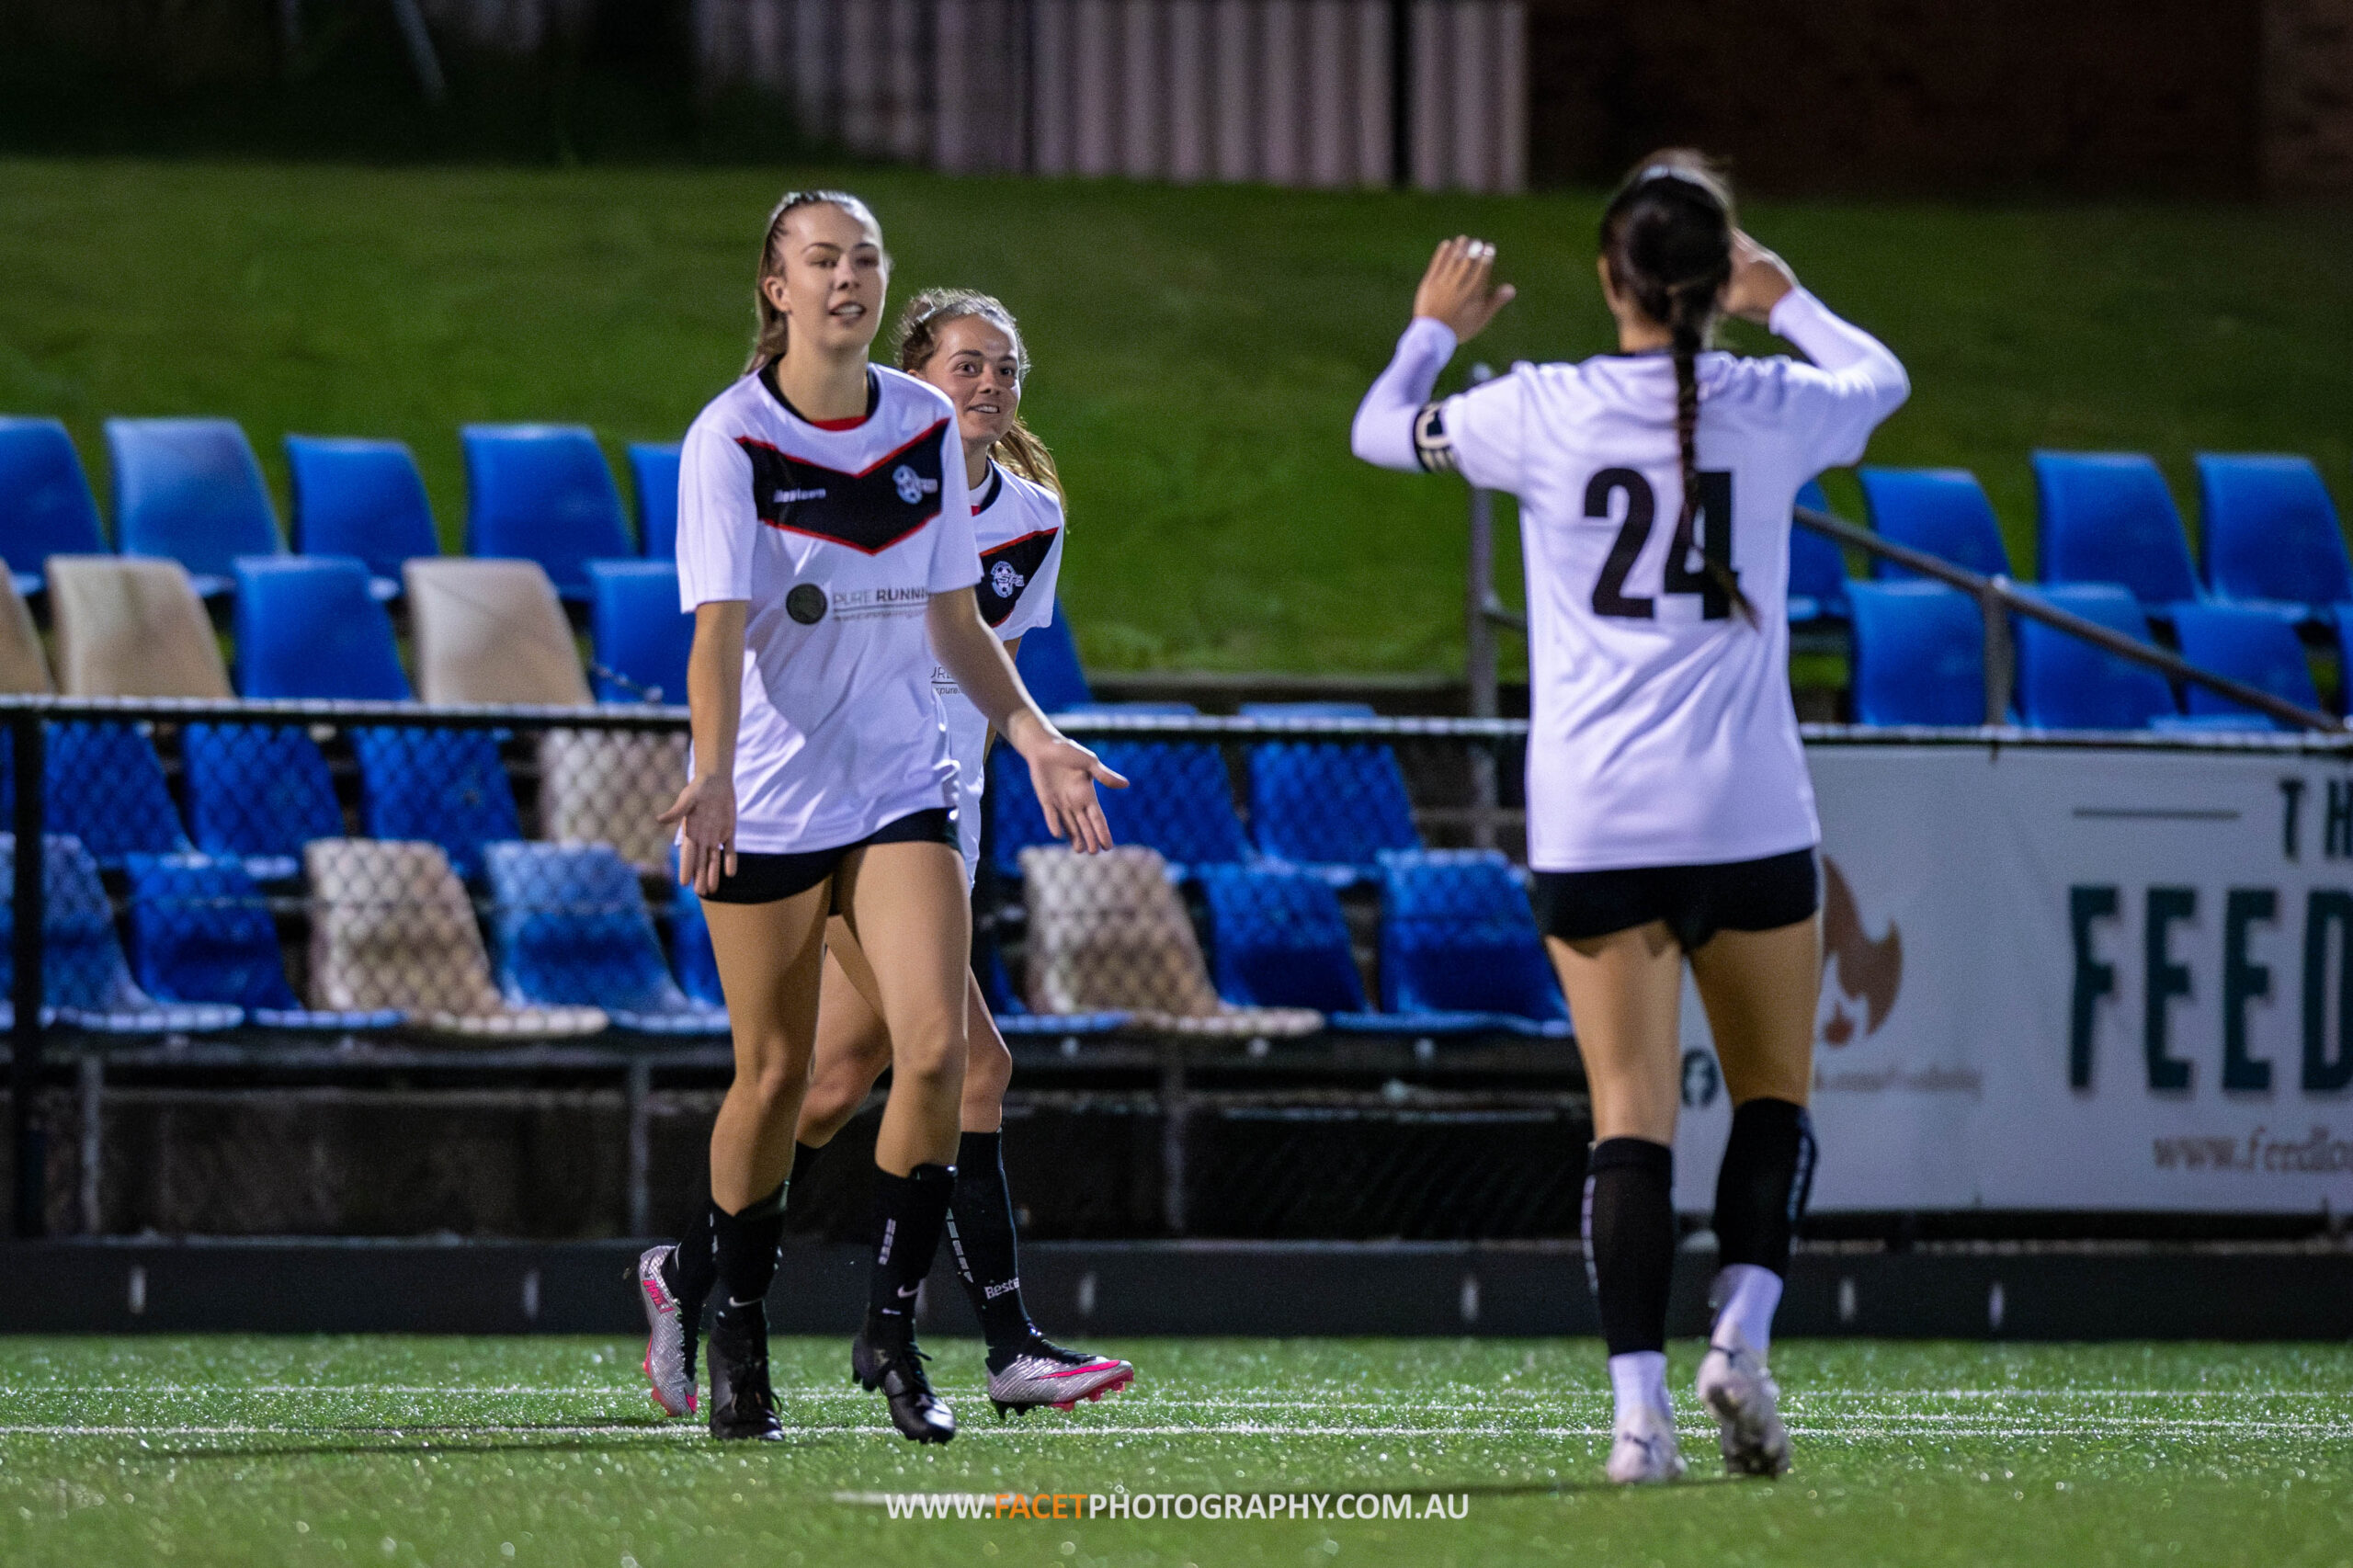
x: 1046, y: 1374
x: 1642, y: 1451
x: 1746, y: 1402
x: 669, y: 1336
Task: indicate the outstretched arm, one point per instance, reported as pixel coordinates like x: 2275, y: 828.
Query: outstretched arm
x: 1064, y: 772
x: 1457, y: 299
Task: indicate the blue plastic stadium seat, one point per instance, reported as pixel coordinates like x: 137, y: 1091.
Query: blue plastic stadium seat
x: 2066, y: 683
x: 690, y: 950
x: 542, y: 493
x: 102, y: 785
x: 2108, y: 517
x: 85, y: 980
x: 1818, y: 566
x: 309, y: 626
x: 258, y: 794
x: 640, y: 636
x: 2251, y: 645
x: 1281, y: 941
x: 1457, y: 935
x: 1332, y: 806
x: 200, y: 931
x: 1178, y: 800
x: 360, y: 497
x: 1049, y: 668
x: 654, y: 477
x: 191, y: 490
x: 569, y: 928
x: 46, y: 507
x: 1919, y: 655
x: 2269, y: 533
x: 1942, y: 512
x: 444, y: 786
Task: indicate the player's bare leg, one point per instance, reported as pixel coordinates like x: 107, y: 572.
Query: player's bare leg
x: 1026, y: 1370
x: 1759, y: 988
x: 904, y: 903
x: 767, y: 956
x: 1625, y: 991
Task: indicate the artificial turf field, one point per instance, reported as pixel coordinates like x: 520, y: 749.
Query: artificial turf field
x: 495, y: 1451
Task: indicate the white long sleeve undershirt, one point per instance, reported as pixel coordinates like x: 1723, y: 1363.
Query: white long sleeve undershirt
x: 1382, y: 433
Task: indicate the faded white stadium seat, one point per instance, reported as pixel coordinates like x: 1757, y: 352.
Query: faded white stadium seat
x: 132, y: 626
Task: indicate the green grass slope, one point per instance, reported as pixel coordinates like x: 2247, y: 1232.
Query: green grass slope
x: 1198, y: 351
x: 444, y: 1451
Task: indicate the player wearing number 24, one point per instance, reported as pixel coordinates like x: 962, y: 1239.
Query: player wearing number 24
x: 1670, y: 818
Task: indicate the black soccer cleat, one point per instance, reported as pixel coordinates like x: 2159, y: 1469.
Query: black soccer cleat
x: 884, y: 1357
x: 742, y: 1405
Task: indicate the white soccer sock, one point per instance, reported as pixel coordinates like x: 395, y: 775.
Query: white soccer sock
x: 1746, y: 1296
x: 1639, y: 1380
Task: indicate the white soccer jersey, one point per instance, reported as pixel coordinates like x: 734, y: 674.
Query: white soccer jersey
x: 1663, y: 731
x: 837, y: 535
x: 1019, y: 526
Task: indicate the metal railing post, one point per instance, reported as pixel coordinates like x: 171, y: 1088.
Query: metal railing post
x: 26, y: 1043
x: 2001, y: 658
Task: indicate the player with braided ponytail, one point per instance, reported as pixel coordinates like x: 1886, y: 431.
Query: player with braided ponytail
x: 1669, y: 814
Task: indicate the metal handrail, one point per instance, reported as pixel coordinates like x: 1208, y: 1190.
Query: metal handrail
x: 1995, y: 596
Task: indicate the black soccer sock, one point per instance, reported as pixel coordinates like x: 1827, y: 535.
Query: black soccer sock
x: 804, y: 1155
x: 1630, y: 1240
x: 980, y: 1235
x: 909, y: 1213
x: 1762, y: 1188
x: 744, y: 1247
x: 695, y: 1263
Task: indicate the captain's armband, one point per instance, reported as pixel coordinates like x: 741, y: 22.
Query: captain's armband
x: 1433, y: 448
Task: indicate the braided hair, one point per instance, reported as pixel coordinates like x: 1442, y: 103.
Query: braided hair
x: 1666, y: 239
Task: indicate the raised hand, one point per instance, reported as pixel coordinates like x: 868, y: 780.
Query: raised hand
x: 1759, y: 280
x: 1459, y: 288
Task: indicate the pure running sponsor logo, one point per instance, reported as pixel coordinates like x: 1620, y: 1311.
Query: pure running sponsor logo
x: 2318, y: 1152
x: 1050, y: 1505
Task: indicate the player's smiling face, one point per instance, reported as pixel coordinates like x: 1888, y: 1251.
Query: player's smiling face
x: 834, y: 279
x: 977, y: 365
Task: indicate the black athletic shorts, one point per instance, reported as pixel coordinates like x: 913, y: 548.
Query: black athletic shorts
x: 1695, y: 901
x: 763, y: 878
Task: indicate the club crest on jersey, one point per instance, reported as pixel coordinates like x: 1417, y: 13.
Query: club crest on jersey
x: 868, y: 511
x: 1005, y: 569
x: 912, y: 486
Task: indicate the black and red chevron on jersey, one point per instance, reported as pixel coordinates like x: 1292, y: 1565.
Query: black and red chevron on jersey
x: 868, y: 511
x: 1006, y: 572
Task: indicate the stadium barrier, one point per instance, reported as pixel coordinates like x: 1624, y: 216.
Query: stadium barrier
x: 242, y: 900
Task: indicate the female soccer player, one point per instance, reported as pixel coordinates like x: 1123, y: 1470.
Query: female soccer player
x: 1670, y: 816
x: 968, y: 347
x: 825, y: 550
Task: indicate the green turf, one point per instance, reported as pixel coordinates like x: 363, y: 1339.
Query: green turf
x: 1199, y: 351
x: 403, y: 1451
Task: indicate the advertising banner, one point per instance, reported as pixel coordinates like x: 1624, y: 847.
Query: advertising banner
x: 2069, y: 978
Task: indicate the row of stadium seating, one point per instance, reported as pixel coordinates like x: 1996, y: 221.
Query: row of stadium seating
x: 1919, y: 658
x: 2269, y: 536
x: 191, y: 490
x: 573, y: 947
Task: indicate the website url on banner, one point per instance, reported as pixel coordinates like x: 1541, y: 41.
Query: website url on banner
x: 1075, y: 1505
x: 2319, y: 1153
